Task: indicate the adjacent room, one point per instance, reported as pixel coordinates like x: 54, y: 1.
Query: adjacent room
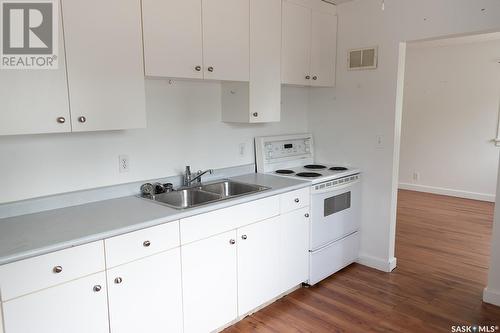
x: 196, y: 166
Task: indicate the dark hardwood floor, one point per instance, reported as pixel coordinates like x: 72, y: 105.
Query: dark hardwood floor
x: 442, y: 246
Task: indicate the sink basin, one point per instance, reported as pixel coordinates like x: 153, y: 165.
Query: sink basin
x: 186, y: 198
x: 205, y: 193
x: 230, y: 189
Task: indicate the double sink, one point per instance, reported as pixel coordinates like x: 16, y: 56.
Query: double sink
x: 205, y: 193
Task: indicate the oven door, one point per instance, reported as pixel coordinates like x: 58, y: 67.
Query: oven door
x: 335, y: 213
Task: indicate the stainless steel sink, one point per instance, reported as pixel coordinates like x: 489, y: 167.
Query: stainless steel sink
x: 205, y: 193
x: 231, y: 189
x: 186, y: 198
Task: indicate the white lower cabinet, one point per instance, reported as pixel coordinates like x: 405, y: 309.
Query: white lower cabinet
x: 209, y: 283
x: 294, y: 234
x: 259, y: 264
x: 145, y: 295
x: 79, y: 306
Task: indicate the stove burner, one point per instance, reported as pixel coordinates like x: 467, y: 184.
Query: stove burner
x: 315, y: 166
x: 284, y: 172
x: 339, y: 169
x: 309, y: 174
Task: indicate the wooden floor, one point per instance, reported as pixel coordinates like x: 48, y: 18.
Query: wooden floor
x: 442, y: 247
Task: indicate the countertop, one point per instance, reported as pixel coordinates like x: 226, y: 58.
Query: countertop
x: 31, y: 235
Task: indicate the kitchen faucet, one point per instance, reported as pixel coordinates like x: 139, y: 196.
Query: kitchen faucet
x: 189, y: 179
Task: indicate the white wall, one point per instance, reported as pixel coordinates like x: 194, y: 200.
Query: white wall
x: 450, y: 113
x: 184, y: 127
x: 492, y: 292
x: 348, y: 119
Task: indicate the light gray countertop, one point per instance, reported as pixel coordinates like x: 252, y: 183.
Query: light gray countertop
x: 31, y: 235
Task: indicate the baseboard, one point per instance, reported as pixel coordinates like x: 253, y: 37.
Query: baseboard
x: 447, y: 191
x: 491, y: 296
x: 377, y: 263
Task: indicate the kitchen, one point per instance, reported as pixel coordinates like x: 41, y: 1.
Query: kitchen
x: 252, y: 82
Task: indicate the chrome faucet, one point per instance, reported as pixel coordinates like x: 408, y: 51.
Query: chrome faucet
x: 188, y: 176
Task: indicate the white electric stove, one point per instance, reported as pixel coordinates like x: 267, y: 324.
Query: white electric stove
x: 335, y: 199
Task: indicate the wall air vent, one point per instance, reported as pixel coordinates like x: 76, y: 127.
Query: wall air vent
x: 358, y: 59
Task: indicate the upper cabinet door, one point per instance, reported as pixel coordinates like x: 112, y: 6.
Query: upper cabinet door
x: 226, y: 34
x: 265, y: 60
x: 173, y: 38
x: 323, y: 48
x: 35, y: 101
x: 296, y: 46
x: 104, y: 62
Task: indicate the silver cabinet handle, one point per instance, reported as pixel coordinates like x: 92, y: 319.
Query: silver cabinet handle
x: 315, y: 77
x: 210, y: 69
x: 57, y: 269
x: 255, y: 114
x: 232, y: 241
x: 308, y: 77
x: 244, y: 237
x: 97, y: 288
x: 306, y: 215
x: 146, y: 243
x: 197, y: 68
x: 82, y: 119
x: 297, y: 200
x: 61, y: 120
x: 118, y: 280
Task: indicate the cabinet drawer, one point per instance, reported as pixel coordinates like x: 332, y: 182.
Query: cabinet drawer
x: 29, y: 275
x: 139, y: 244
x: 295, y: 199
x: 222, y: 220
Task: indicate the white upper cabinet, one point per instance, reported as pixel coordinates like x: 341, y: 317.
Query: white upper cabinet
x: 309, y: 43
x: 197, y: 39
x: 323, y: 48
x: 173, y: 38
x: 104, y: 63
x: 35, y: 101
x: 259, y: 100
x: 296, y: 44
x: 226, y: 39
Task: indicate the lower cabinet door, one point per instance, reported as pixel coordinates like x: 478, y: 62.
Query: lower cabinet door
x: 209, y: 283
x: 79, y: 306
x: 146, y: 296
x: 259, y: 266
x: 294, y: 248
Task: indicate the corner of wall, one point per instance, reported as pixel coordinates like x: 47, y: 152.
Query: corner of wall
x: 378, y: 263
x: 491, y: 296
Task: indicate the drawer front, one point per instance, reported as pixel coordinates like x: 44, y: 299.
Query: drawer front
x: 205, y: 225
x: 295, y: 200
x: 29, y: 275
x: 139, y: 244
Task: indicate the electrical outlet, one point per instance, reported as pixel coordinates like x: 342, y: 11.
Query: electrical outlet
x: 379, y: 142
x: 123, y: 163
x: 242, y: 148
x: 416, y: 176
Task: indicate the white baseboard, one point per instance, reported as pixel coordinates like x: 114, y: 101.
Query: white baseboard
x: 377, y: 263
x: 491, y: 296
x: 447, y: 191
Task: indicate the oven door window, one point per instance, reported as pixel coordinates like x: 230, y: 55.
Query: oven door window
x: 337, y: 203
